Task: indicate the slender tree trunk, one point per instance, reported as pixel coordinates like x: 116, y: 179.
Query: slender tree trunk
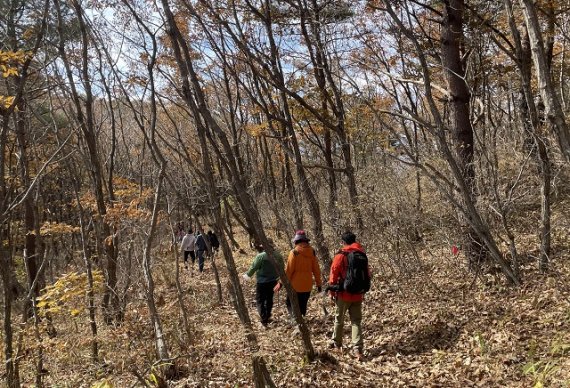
x: 90, y: 285
x: 451, y: 41
x: 12, y: 378
x: 550, y: 99
x: 311, y: 20
x: 465, y: 205
x: 159, y: 337
x: 180, y: 293
x: 6, y: 268
x: 111, y: 303
x: 530, y: 119
x: 314, y: 208
x: 31, y: 261
x: 293, y: 194
x: 200, y: 110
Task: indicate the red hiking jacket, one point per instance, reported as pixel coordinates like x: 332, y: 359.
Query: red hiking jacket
x: 338, y: 272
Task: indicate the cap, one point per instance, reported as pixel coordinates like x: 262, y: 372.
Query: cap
x: 300, y: 236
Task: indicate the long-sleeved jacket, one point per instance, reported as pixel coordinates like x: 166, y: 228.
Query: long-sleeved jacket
x: 188, y: 243
x: 338, y: 272
x: 302, y: 265
x: 201, y: 243
x: 264, y: 269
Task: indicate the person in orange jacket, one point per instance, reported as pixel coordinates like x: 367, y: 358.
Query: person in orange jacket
x: 344, y: 300
x: 302, y: 266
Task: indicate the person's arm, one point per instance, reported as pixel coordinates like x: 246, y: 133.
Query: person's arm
x: 255, y: 266
x: 335, y: 273
x: 183, y: 244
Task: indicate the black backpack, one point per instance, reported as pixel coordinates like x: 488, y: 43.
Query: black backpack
x: 357, y: 280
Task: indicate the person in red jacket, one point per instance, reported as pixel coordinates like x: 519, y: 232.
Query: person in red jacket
x: 344, y: 300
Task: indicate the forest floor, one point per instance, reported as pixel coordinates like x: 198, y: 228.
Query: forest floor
x: 435, y: 327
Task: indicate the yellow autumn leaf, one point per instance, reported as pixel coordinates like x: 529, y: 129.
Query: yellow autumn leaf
x: 9, y: 72
x: 6, y: 101
x: 41, y: 304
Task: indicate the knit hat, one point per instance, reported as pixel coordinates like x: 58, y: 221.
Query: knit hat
x: 300, y: 236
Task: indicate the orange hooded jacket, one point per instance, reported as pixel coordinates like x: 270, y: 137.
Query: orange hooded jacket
x: 302, y: 265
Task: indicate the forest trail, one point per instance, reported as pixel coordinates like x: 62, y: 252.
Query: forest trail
x: 435, y: 327
x: 415, y: 333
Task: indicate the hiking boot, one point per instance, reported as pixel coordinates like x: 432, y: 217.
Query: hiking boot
x: 357, y: 354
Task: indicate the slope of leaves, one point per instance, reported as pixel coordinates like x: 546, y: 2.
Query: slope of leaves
x: 435, y: 327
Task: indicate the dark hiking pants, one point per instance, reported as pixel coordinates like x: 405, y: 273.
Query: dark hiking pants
x: 200, y: 254
x: 192, y: 256
x: 303, y: 298
x: 264, y: 299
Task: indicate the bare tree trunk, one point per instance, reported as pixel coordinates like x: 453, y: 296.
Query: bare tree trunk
x: 29, y: 214
x: 311, y: 21
x: 451, y: 40
x: 200, y: 111
x: 292, y: 193
x: 6, y: 269
x: 6, y: 272
x: 194, y: 96
x: 90, y: 287
x: 180, y: 292
x: 159, y: 338
x: 228, y: 225
x: 530, y: 119
x: 111, y: 303
x: 550, y: 99
x: 465, y: 205
x: 306, y: 189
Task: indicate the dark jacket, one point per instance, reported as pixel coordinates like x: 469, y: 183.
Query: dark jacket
x: 213, y: 240
x: 201, y: 243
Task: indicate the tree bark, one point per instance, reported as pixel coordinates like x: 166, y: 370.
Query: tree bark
x: 460, y: 121
x: 532, y: 124
x: 159, y: 337
x: 464, y: 204
x: 111, y: 303
x: 191, y: 90
x: 552, y: 105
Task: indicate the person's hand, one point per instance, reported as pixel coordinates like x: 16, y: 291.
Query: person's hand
x: 319, y: 289
x: 246, y: 277
x: 277, y: 287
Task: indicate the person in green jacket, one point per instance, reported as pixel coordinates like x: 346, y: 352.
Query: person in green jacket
x: 266, y: 280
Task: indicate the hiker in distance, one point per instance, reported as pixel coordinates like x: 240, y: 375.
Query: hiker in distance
x: 266, y: 277
x: 201, y: 249
x: 187, y: 248
x: 214, y: 242
x: 302, y: 267
x: 349, y: 279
